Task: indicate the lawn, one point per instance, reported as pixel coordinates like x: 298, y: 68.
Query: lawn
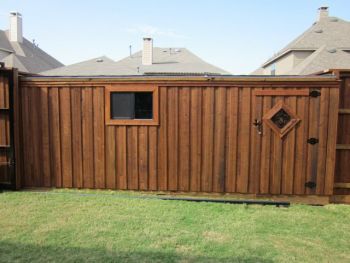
x: 102, y: 226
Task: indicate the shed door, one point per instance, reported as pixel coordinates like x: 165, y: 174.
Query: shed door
x: 289, y: 129
x: 7, y: 169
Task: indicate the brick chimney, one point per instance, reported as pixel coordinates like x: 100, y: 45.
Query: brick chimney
x: 147, y: 51
x: 322, y: 13
x: 15, y: 32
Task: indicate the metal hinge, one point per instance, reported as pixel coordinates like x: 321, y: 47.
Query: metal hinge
x: 315, y: 93
x: 310, y: 185
x: 312, y: 141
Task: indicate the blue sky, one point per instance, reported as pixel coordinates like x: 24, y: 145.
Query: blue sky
x: 233, y: 34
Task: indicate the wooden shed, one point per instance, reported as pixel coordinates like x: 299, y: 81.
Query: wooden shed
x: 222, y: 134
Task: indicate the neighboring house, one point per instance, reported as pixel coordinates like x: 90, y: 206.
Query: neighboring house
x: 150, y: 61
x: 325, y: 45
x: 18, y: 52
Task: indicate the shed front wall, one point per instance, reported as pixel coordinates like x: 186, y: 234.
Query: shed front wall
x: 205, y: 141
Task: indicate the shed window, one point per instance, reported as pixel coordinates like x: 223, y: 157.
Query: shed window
x: 131, y: 105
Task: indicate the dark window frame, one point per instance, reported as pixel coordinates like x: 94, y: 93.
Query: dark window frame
x: 125, y: 88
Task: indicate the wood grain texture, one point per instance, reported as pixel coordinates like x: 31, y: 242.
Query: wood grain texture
x: 231, y: 139
x: 66, y: 137
x: 342, y: 164
x: 207, y: 139
x: 77, y: 144
x: 88, y: 138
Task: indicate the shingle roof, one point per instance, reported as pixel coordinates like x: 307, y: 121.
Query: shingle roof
x: 26, y: 56
x: 323, y: 37
x: 165, y: 61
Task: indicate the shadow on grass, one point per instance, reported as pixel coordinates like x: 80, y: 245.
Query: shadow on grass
x: 16, y: 252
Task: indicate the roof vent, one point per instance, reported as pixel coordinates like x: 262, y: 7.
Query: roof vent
x: 334, y: 19
x: 99, y: 60
x: 332, y: 50
x: 322, y: 13
x: 318, y: 31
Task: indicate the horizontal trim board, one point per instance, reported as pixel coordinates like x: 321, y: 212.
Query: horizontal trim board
x: 344, y: 111
x: 189, y: 84
x: 342, y: 185
x: 270, y: 92
x: 343, y: 147
x: 181, y: 78
x: 340, y: 199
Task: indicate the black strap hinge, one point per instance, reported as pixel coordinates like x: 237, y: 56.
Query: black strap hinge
x: 315, y: 93
x: 312, y: 141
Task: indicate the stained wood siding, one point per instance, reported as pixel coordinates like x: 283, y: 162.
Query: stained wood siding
x: 342, y: 167
x: 4, y: 127
x: 205, y: 141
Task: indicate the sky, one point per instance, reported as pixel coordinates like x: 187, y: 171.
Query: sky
x: 236, y: 35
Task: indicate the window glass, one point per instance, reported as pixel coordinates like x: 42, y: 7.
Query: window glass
x: 131, y: 105
x: 143, y: 105
x: 122, y: 105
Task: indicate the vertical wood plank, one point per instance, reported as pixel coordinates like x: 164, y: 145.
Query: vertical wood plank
x: 163, y: 139
x: 219, y: 140
x: 244, y: 136
x: 121, y: 151
x: 195, y: 140
x: 132, y: 156
x: 99, y: 137
x: 301, y: 145
x: 143, y: 157
x: 25, y: 123
x: 276, y: 158
x: 66, y: 137
x: 231, y: 138
x: 184, y: 139
x: 88, y: 138
x: 288, y: 152
x: 322, y: 147
x: 35, y: 122
x: 55, y: 135
x: 173, y: 138
x: 152, y: 159
x: 77, y: 137
x: 207, y: 139
x: 265, y: 150
x: 111, y: 164
x: 331, y: 142
x: 314, y: 114
x: 255, y: 145
x: 45, y: 157
x: 18, y: 128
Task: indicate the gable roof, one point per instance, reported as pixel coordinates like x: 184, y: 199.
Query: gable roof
x: 165, y: 61
x: 26, y: 56
x: 328, y: 39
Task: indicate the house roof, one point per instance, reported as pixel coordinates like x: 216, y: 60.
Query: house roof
x: 165, y: 61
x: 26, y: 56
x: 328, y: 39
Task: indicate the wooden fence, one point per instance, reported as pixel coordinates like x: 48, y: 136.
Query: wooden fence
x: 205, y: 140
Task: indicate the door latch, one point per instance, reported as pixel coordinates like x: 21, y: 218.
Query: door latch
x: 258, y: 124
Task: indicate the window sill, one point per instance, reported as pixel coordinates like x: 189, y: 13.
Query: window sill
x: 132, y: 122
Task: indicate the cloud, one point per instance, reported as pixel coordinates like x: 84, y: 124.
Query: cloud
x: 152, y: 31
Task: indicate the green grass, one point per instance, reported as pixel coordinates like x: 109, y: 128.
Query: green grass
x: 72, y: 226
